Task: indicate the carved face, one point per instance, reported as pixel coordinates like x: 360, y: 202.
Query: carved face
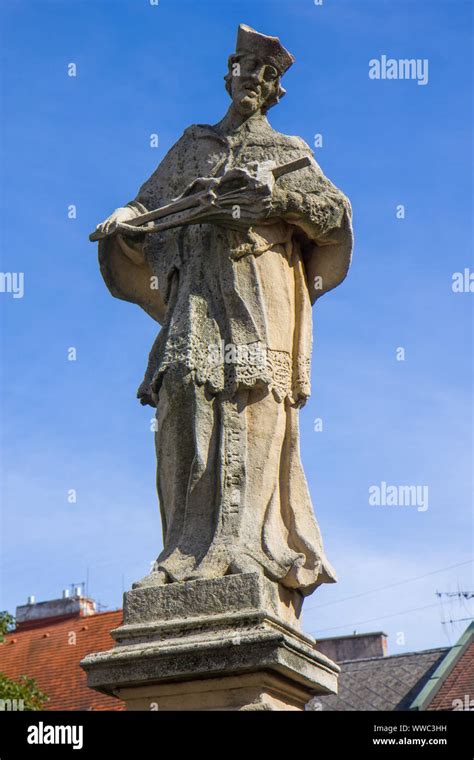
x: 253, y: 83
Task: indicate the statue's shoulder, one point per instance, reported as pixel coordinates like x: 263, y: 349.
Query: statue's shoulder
x: 197, y: 130
x: 188, y: 133
x: 191, y: 133
x: 194, y: 129
x: 195, y: 133
x: 290, y: 141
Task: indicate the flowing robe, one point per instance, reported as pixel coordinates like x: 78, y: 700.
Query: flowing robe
x: 231, y: 365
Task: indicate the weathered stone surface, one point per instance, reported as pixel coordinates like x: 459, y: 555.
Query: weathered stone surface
x: 203, y: 630
x: 248, y: 691
x: 195, y: 600
x: 231, y: 275
x: 227, y: 246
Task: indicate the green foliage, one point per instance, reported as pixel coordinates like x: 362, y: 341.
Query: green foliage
x: 7, y: 622
x: 23, y: 694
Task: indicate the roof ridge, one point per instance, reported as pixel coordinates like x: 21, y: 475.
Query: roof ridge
x: 392, y: 656
x: 446, y: 666
x: 53, y: 622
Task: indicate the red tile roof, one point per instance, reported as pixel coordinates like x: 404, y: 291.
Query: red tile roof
x: 458, y: 685
x: 50, y: 653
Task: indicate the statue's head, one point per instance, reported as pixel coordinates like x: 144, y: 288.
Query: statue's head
x: 255, y: 70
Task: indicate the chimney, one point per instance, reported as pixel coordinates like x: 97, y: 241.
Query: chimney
x: 37, y: 614
x: 359, y: 646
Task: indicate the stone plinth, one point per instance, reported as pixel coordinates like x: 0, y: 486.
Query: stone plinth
x: 230, y: 643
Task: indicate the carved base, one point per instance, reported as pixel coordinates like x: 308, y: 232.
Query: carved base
x: 230, y: 643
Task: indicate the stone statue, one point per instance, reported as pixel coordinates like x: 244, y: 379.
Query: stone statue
x: 227, y: 246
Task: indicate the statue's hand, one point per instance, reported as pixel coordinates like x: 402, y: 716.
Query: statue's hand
x: 240, y: 202
x: 248, y: 208
x: 112, y: 224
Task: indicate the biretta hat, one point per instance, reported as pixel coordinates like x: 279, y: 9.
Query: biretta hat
x: 262, y: 46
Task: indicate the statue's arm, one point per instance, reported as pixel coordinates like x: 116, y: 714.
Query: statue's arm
x: 323, y: 216
x: 122, y: 260
x: 128, y: 276
x: 124, y: 267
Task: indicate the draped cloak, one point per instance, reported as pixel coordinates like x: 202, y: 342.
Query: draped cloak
x: 235, y: 342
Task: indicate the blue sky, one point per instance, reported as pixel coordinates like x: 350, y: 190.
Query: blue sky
x: 77, y: 425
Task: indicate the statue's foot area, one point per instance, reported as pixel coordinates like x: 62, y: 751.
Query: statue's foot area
x: 244, y: 563
x: 205, y: 571
x: 155, y: 578
x: 217, y: 566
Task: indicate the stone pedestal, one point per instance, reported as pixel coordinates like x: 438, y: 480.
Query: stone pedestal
x: 230, y: 643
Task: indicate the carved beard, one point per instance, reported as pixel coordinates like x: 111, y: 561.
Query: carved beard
x: 249, y: 103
